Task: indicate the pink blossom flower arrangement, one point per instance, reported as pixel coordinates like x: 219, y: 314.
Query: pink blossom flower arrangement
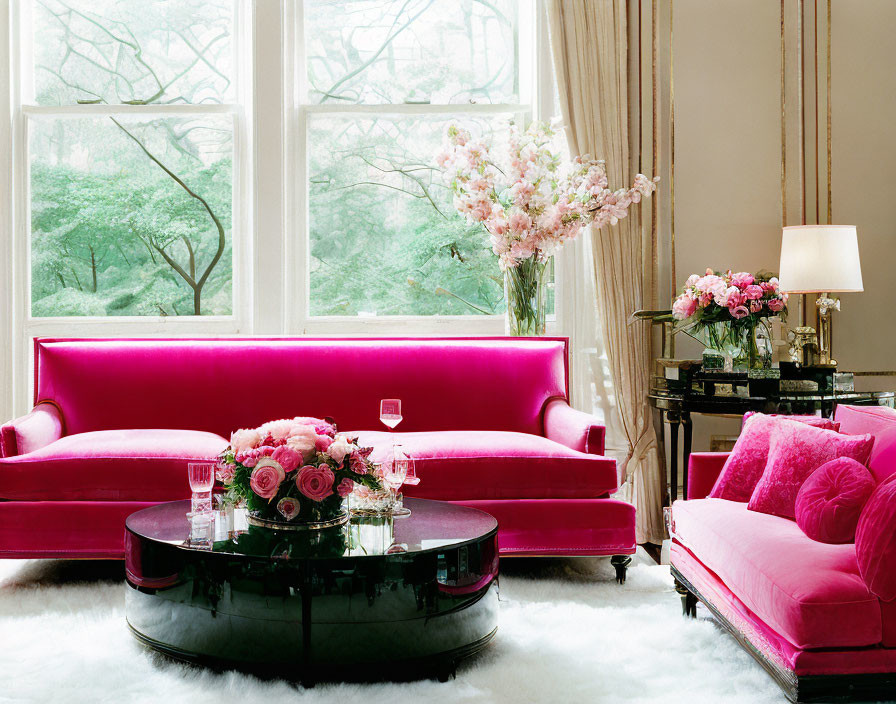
x: 294, y: 470
x: 526, y: 198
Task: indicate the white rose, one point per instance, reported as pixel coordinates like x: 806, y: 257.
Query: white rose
x: 340, y: 448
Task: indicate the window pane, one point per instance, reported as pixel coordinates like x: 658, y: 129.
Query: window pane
x: 411, y: 51
x: 117, y: 51
x: 385, y: 238
x: 113, y: 233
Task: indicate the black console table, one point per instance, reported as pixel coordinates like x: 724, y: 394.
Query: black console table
x: 676, y: 406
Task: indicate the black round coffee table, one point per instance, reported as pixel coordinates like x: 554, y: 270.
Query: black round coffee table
x: 376, y: 598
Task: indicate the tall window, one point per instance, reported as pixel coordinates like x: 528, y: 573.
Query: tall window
x: 130, y: 112
x: 383, y: 81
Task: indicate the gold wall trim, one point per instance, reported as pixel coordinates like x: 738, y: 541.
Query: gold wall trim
x: 674, y: 277
x: 783, y: 124
x: 828, y: 62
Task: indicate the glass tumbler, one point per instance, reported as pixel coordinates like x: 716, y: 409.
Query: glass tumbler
x: 202, y: 479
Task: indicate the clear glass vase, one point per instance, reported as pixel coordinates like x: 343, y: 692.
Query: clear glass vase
x: 732, y: 346
x: 525, y: 290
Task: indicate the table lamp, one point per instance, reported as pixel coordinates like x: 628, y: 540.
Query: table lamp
x: 822, y: 259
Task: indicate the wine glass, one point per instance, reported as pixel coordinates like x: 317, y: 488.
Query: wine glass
x: 390, y: 412
x: 202, y: 479
x: 397, y: 471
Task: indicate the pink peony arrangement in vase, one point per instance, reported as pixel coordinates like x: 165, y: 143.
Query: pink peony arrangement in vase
x: 531, y: 203
x: 724, y: 311
x: 295, y: 473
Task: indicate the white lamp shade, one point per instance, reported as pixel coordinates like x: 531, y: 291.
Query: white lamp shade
x: 820, y: 258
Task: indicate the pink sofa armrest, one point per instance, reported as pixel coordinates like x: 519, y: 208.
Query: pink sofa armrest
x: 32, y: 431
x: 703, y: 470
x: 575, y: 429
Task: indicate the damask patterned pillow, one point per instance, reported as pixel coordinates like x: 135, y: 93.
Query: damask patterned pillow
x: 797, y: 450
x: 748, y: 457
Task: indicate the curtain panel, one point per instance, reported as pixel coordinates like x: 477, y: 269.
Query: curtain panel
x: 589, y: 41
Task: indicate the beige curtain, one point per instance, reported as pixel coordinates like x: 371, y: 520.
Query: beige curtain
x: 589, y: 41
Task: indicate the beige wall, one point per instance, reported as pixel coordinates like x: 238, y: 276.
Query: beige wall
x: 720, y: 69
x: 863, y: 174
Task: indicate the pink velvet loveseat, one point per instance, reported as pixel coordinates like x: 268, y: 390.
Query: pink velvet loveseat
x: 115, y: 422
x: 800, y: 607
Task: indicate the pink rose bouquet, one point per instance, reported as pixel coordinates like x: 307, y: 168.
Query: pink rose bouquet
x: 297, y: 469
x: 723, y: 310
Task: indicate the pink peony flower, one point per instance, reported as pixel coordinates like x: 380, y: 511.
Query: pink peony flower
x: 755, y: 306
x: 684, y: 307
x: 287, y: 457
x: 277, y: 429
x: 245, y: 439
x: 266, y: 450
x: 776, y: 304
x: 739, y: 312
x: 322, y: 443
x: 753, y: 292
x: 265, y: 480
x: 346, y: 486
x: 288, y: 507
x: 315, y: 482
x: 302, y: 439
x: 742, y: 279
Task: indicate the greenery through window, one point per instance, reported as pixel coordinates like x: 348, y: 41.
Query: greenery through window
x: 131, y: 208
x: 385, y: 79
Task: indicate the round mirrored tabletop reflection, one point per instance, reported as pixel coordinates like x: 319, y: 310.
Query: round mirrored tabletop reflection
x: 377, y: 597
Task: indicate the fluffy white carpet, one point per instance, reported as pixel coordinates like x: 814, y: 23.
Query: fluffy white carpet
x: 568, y: 633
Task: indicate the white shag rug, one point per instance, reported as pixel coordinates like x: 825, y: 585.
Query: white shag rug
x: 567, y: 633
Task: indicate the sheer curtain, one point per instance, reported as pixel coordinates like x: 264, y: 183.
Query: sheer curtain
x: 589, y: 42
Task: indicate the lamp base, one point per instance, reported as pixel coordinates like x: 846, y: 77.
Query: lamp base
x: 825, y: 306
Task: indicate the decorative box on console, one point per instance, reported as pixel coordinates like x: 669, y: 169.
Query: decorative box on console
x: 799, y: 378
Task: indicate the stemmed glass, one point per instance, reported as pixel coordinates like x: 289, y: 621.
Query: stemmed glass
x: 397, y: 471
x: 202, y: 479
x: 390, y: 412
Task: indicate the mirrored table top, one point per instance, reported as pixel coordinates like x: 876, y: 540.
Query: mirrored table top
x: 431, y: 527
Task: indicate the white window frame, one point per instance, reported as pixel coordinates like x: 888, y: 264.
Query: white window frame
x: 536, y: 101
x: 270, y: 228
x: 25, y: 327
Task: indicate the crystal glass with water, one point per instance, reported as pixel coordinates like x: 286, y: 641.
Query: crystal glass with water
x: 202, y: 479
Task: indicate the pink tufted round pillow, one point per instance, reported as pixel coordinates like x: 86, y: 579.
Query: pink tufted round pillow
x: 876, y: 541
x: 831, y: 500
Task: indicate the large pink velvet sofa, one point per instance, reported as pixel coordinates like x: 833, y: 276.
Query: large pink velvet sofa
x: 799, y: 606
x: 115, y: 422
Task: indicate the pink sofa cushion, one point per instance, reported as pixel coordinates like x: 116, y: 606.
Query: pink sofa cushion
x: 444, y: 383
x: 472, y: 464
x: 876, y: 541
x: 109, y: 465
x: 880, y: 421
x: 748, y: 457
x: 809, y: 592
x: 817, y: 421
x: 830, y: 501
x: 795, y: 452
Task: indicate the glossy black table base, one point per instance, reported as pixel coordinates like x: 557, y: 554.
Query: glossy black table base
x: 354, y: 616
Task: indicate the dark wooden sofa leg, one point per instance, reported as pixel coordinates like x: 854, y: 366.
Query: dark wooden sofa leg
x: 688, y: 600
x: 621, y: 563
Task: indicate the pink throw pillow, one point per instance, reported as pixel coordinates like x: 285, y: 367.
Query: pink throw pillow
x: 797, y: 450
x: 830, y: 501
x: 817, y: 421
x: 748, y: 457
x: 876, y: 541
